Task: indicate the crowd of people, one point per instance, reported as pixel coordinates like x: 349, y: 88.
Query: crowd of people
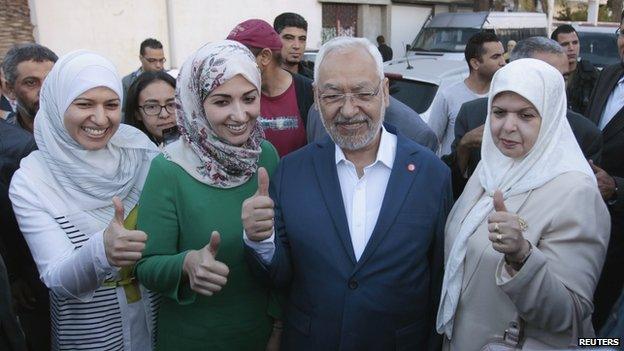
x: 251, y: 203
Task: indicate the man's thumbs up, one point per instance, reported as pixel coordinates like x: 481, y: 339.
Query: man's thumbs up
x: 263, y: 182
x: 499, y: 203
x: 257, y: 212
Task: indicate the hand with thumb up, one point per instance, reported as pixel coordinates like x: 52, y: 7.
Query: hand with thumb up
x: 257, y: 213
x: 123, y: 247
x: 206, y: 275
x: 505, y: 231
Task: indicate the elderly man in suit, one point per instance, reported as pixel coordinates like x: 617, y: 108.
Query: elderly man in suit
x: 466, y: 149
x: 606, y: 110
x: 354, y: 223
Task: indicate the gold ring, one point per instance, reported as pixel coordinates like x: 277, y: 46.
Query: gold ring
x: 496, y: 229
x: 523, y: 224
x: 499, y: 237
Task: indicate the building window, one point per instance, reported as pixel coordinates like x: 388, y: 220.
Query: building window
x: 339, y: 20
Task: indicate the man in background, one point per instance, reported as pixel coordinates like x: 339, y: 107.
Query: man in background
x: 152, y: 57
x: 582, y: 75
x: 293, y: 31
x: 25, y: 67
x: 385, y: 50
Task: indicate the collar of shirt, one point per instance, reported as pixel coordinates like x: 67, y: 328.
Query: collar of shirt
x: 385, y: 153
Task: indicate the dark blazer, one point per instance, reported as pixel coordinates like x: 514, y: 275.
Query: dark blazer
x: 388, y: 299
x: 11, y: 336
x: 472, y: 114
x: 612, y: 279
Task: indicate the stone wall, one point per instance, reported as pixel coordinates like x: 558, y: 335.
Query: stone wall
x: 15, y: 24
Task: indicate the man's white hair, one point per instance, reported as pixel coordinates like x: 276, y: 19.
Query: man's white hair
x: 344, y: 43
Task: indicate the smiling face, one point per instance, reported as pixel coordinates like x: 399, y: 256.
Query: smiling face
x: 155, y: 95
x: 93, y: 117
x: 353, y: 122
x: 515, y: 124
x: 232, y: 110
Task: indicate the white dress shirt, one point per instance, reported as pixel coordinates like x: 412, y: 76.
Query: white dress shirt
x: 614, y: 104
x: 362, y: 197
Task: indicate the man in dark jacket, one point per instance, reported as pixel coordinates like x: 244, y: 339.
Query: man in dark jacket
x: 30, y: 296
x: 606, y: 110
x: 286, y: 97
x: 385, y: 50
x: 466, y: 148
x: 582, y: 75
x: 293, y: 31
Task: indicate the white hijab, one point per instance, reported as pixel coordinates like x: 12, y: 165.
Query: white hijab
x: 89, y: 178
x: 555, y: 152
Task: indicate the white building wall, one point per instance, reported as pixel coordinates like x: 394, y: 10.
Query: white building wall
x: 115, y: 28
x: 405, y: 23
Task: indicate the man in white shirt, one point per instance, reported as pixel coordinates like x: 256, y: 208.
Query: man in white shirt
x: 484, y: 55
x: 354, y: 223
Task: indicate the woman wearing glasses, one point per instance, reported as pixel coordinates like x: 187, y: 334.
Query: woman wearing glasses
x: 150, y: 104
x: 191, y: 208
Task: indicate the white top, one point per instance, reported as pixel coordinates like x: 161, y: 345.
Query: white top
x: 68, y: 248
x: 362, y: 197
x: 444, y: 110
x: 614, y: 104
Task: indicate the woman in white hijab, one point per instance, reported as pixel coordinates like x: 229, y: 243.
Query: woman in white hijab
x: 68, y: 200
x: 526, y: 240
x: 191, y: 208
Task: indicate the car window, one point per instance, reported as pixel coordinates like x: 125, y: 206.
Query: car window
x: 599, y: 48
x: 443, y: 39
x: 415, y: 94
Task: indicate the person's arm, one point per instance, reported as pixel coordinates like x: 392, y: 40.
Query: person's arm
x: 557, y: 281
x: 438, y: 116
x: 69, y: 272
x: 161, y: 268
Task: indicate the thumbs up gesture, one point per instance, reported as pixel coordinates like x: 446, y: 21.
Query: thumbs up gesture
x: 206, y: 275
x: 122, y: 246
x: 257, y: 213
x: 505, y: 231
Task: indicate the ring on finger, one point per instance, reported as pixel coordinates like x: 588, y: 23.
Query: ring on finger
x: 499, y: 237
x: 496, y: 228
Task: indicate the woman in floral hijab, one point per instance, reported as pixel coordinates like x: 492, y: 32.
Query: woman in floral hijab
x: 191, y: 208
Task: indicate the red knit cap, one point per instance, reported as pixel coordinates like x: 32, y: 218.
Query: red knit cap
x: 256, y: 33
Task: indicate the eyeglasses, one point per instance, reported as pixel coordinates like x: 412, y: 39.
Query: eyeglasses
x: 619, y: 32
x: 154, y: 60
x: 156, y: 109
x: 357, y: 98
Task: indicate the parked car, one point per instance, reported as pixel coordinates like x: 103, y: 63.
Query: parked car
x: 446, y: 34
x: 415, y: 80
x: 599, y: 45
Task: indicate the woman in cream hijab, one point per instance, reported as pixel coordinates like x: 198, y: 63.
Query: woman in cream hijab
x: 191, y: 208
x: 70, y: 197
x: 526, y: 241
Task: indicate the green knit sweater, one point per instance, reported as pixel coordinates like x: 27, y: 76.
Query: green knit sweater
x: 179, y: 213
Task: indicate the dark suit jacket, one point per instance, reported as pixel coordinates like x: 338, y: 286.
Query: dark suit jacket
x: 11, y: 336
x: 388, y: 299
x: 612, y: 279
x: 472, y: 114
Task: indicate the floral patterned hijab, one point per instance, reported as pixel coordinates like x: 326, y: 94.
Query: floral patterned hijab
x: 203, y: 154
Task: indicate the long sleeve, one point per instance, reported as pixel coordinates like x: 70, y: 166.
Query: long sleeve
x: 557, y: 281
x: 438, y: 117
x: 161, y: 268
x: 70, y: 272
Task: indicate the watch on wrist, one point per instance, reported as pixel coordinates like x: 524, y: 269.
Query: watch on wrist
x: 517, y: 265
x: 614, y: 197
